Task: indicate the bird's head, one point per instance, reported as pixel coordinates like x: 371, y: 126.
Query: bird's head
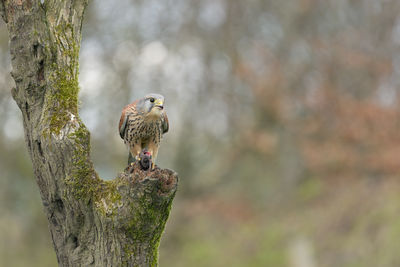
x: 152, y: 105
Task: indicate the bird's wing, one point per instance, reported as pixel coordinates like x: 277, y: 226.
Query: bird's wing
x: 122, y: 123
x: 124, y: 118
x: 165, y: 123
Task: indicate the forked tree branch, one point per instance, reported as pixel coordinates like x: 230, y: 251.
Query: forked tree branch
x: 92, y: 222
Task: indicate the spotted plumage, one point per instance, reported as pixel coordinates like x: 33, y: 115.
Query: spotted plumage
x: 142, y: 124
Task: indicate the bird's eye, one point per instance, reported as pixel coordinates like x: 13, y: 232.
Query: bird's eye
x: 152, y: 100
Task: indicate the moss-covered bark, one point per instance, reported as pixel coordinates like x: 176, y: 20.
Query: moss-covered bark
x: 92, y: 222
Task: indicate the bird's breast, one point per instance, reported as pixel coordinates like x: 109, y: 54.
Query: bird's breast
x: 139, y: 128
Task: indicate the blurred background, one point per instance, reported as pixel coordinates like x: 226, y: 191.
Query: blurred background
x: 284, y: 129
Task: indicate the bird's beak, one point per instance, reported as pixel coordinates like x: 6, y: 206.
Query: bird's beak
x: 159, y: 104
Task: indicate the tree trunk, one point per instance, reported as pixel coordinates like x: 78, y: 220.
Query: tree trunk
x: 92, y: 222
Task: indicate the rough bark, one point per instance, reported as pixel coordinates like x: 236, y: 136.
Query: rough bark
x: 92, y: 222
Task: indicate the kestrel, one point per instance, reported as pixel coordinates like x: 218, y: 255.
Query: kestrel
x: 142, y: 124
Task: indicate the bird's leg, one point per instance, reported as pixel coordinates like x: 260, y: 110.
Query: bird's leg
x: 135, y: 151
x: 153, y: 149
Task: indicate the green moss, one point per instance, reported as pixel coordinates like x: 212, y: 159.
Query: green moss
x: 148, y: 213
x: 65, y: 101
x: 108, y: 194
x: 62, y: 101
x: 83, y: 180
